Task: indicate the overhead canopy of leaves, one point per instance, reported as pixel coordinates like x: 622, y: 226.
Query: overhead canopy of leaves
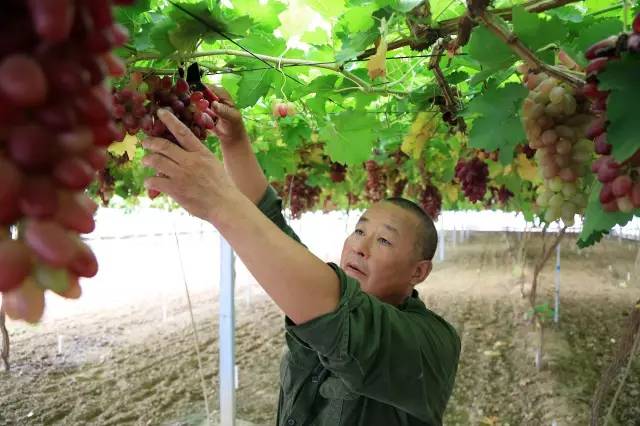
x: 315, y: 53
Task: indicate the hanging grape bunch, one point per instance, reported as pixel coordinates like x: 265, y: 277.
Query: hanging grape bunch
x: 431, y: 201
x: 337, y: 172
x: 555, y: 117
x: 55, y: 122
x: 621, y: 181
x: 499, y: 195
x: 136, y: 108
x: 302, y: 197
x: 376, y: 186
x: 137, y: 104
x: 473, y: 175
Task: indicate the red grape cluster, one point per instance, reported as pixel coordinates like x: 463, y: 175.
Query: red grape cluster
x: 55, y: 122
x: 500, y: 194
x: 338, y: 172
x: 473, y: 176
x: 302, y: 197
x: 621, y: 181
x: 376, y: 186
x: 555, y: 117
x: 431, y: 201
x: 137, y: 104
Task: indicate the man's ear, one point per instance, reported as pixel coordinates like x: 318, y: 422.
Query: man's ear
x: 421, y: 271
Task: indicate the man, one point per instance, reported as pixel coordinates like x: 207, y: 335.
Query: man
x: 362, y: 348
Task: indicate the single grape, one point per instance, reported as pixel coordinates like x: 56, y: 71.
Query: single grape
x: 25, y: 302
x: 50, y: 242
x: 15, y: 264
x: 22, y: 81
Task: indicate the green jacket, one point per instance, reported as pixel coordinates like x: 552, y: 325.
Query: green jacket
x: 367, y: 363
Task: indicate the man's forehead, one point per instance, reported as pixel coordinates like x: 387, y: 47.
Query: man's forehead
x: 388, y: 214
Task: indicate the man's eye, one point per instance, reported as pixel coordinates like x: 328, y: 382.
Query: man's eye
x: 358, y: 232
x: 384, y: 241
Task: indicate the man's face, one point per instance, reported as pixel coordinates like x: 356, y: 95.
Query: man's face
x: 381, y: 253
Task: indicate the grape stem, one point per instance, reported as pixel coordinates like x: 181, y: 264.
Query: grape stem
x: 447, y: 92
x: 514, y: 43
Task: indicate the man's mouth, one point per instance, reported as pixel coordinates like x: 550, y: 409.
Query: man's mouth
x: 351, y: 267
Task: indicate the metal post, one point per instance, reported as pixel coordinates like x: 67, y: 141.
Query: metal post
x: 556, y: 309
x: 227, y: 337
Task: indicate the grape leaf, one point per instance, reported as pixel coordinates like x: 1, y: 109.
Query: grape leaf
x: 535, y: 31
x: 131, y: 15
x: 354, y: 44
x: 491, y: 52
x: 127, y: 146
x: 568, y: 13
x: 264, y: 14
x: 350, y: 137
x: 277, y: 162
x: 597, y: 222
x: 295, y: 133
x: 159, y: 36
x: 498, y: 124
x: 254, y: 85
x: 357, y: 19
x: 317, y: 36
x: 328, y: 9
x: 621, y: 77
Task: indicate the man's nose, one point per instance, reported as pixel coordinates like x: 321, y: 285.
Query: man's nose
x: 361, y: 247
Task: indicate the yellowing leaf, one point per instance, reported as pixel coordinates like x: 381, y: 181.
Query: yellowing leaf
x: 422, y: 129
x: 451, y: 192
x: 376, y: 65
x: 127, y: 145
x: 527, y: 169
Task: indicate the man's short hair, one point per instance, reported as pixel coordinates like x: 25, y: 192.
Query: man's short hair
x: 427, y: 236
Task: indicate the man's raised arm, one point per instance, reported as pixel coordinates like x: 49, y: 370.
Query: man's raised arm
x: 239, y: 160
x: 302, y: 285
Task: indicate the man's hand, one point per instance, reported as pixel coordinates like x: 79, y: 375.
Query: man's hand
x: 229, y: 126
x: 189, y: 173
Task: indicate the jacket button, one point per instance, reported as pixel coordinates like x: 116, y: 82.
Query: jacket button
x: 291, y: 422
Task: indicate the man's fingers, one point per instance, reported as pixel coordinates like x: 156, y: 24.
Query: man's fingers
x: 159, y: 183
x: 185, y: 137
x: 225, y: 111
x: 220, y: 92
x: 161, y: 164
x: 164, y: 147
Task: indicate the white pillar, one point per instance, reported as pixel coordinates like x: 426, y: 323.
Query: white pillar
x: 227, y: 336
x: 556, y: 308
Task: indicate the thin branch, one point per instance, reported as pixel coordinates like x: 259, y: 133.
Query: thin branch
x: 450, y: 26
x: 5, y: 340
x: 278, y: 61
x: 627, y: 346
x: 514, y: 43
x: 627, y: 370
x: 546, y: 254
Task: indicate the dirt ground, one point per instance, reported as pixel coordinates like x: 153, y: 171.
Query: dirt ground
x: 135, y: 366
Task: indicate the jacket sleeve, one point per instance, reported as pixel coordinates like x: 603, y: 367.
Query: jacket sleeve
x: 405, y: 358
